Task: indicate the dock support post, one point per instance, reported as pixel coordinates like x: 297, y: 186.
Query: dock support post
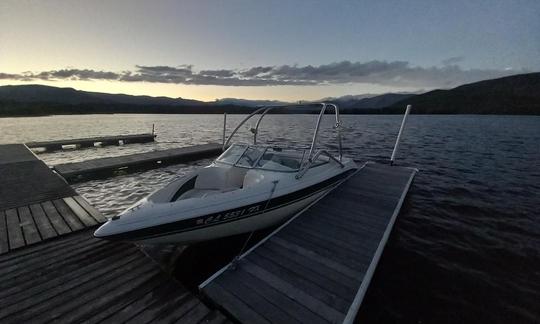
x: 224, y: 128
x: 396, y: 146
x: 153, y: 133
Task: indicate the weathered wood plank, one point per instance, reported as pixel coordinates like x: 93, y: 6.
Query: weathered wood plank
x: 31, y: 234
x: 255, y: 301
x: 136, y: 306
x: 271, y: 296
x: 290, y: 289
x: 83, y: 215
x: 90, y: 209
x: 4, y: 242
x: 64, y: 293
x: 300, y: 251
x: 194, y: 315
x: 303, y: 282
x: 154, y: 312
x: 24, y: 285
x: 93, y: 300
x: 44, y: 227
x: 57, y: 221
x: 16, y: 238
x: 132, y: 302
x: 323, y: 276
x: 241, y: 311
x: 67, y: 215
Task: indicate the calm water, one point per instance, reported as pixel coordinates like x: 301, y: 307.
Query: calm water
x: 466, y: 247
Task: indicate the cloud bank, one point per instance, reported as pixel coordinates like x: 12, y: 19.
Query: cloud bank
x: 394, y: 73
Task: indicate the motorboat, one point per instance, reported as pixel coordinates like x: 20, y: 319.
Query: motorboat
x: 247, y: 188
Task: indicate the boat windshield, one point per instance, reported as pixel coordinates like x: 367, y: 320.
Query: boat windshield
x: 265, y: 158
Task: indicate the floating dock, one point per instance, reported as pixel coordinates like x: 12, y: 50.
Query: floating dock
x: 52, y: 269
x: 92, y: 141
x: 317, y: 267
x: 140, y: 160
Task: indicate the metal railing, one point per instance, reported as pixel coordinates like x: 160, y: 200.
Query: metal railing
x: 312, y: 155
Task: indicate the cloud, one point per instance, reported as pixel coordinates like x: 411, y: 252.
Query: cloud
x: 453, y: 60
x: 393, y: 73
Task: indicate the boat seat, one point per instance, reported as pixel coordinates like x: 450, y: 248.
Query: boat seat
x: 201, y: 193
x: 211, y: 178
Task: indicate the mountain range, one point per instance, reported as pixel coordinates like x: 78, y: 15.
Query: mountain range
x: 517, y: 94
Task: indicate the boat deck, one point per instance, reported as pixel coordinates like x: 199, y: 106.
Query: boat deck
x: 92, y: 141
x: 35, y: 203
x: 317, y: 267
x: 140, y: 160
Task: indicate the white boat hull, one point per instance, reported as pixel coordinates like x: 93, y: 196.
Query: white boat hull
x: 244, y: 225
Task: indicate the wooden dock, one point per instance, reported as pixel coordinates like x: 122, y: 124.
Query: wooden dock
x: 317, y: 267
x: 138, y: 161
x: 52, y: 269
x: 35, y: 203
x: 80, y: 279
x: 92, y: 141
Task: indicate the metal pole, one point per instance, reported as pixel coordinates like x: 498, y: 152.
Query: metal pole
x: 152, y: 129
x: 224, y: 128
x: 399, y: 134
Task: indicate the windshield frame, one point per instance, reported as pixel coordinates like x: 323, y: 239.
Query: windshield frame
x: 263, y: 149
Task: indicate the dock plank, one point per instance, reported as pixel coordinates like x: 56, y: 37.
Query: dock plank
x: 15, y: 234
x: 43, y: 224
x: 68, y: 215
x: 4, y: 243
x: 57, y: 221
x: 31, y: 234
x: 82, y: 214
x: 90, y: 209
x: 324, y: 258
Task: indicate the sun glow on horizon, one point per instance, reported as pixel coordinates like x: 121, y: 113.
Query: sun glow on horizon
x: 211, y: 93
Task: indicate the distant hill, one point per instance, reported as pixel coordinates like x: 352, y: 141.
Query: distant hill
x: 517, y: 94
x: 351, y: 103
x: 41, y: 93
x: 249, y: 103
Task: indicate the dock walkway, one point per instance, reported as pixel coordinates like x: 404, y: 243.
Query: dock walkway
x: 139, y: 160
x: 317, y: 267
x: 79, y: 279
x: 91, y: 141
x: 52, y: 269
x: 35, y: 203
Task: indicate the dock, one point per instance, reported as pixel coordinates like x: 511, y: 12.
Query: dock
x: 82, y: 279
x: 52, y: 269
x: 35, y: 203
x: 92, y: 141
x: 317, y: 267
x: 138, y: 161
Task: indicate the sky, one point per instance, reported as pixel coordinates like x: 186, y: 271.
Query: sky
x: 284, y: 50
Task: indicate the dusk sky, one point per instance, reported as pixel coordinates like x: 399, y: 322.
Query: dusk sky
x: 285, y: 50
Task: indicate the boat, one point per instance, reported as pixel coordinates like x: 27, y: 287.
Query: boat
x: 247, y: 188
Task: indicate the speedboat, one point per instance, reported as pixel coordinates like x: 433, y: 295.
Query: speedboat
x: 249, y: 187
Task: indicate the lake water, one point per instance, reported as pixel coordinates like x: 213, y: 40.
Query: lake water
x: 466, y: 246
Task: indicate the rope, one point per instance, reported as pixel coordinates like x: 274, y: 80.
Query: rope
x: 235, y: 260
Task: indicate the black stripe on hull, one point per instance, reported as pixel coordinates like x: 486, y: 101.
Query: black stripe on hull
x: 227, y: 216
